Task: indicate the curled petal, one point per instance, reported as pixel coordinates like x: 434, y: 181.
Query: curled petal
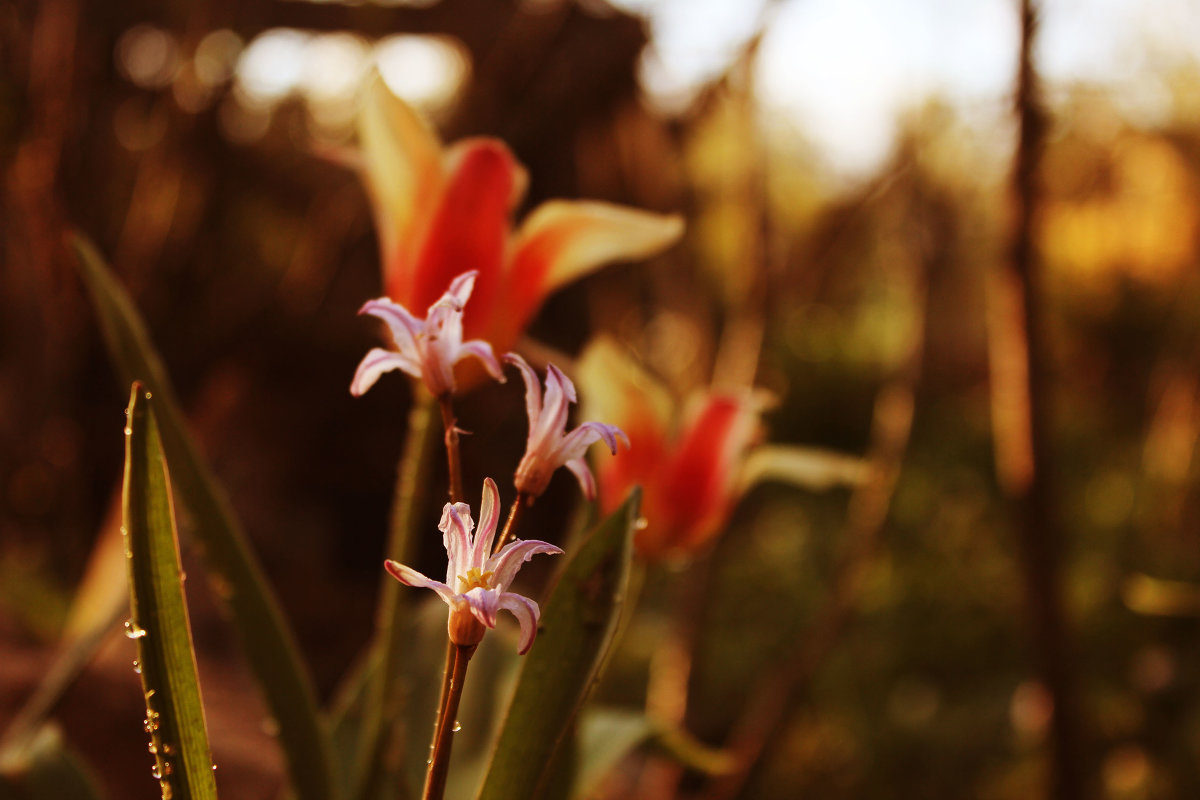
x: 489, y: 516
x: 527, y: 613
x: 410, y: 577
x: 533, y: 388
x: 456, y: 525
x: 583, y: 473
x: 375, y: 363
x: 461, y: 288
x: 484, y: 604
x: 560, y: 393
x: 403, y: 325
x: 483, y: 351
x: 576, y: 442
x: 505, y: 564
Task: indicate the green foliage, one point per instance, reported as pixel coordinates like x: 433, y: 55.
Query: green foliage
x: 578, y: 625
x: 158, y: 614
x: 380, y: 705
x: 265, y: 638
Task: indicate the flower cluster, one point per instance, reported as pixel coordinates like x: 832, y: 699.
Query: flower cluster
x: 439, y: 210
x: 477, y: 580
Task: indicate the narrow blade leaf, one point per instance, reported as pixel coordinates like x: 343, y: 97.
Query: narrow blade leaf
x: 158, y: 615
x: 577, y: 624
x: 231, y: 565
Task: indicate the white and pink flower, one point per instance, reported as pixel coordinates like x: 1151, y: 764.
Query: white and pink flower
x: 426, y: 349
x: 548, y: 446
x: 477, y: 581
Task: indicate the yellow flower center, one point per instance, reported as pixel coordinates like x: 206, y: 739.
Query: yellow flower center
x: 474, y: 578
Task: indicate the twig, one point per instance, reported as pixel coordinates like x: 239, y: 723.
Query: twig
x: 1020, y: 425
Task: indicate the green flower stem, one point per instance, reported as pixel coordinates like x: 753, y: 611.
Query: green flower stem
x: 412, y: 484
x: 443, y: 742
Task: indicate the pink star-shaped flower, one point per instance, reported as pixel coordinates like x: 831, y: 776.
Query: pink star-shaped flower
x: 548, y: 446
x: 426, y: 349
x: 477, y: 581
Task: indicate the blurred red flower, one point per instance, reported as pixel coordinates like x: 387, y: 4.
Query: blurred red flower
x: 689, y: 466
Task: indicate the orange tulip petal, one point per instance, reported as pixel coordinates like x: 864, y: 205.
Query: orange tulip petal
x: 694, y: 491
x: 563, y: 240
x: 615, y: 389
x: 469, y: 229
x: 401, y: 164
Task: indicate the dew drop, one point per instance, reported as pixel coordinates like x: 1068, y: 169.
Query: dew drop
x: 457, y: 727
x: 137, y: 666
x: 156, y: 772
x: 641, y: 524
x: 167, y: 749
x: 214, y: 767
x: 128, y: 431
x: 133, y: 631
x: 153, y: 750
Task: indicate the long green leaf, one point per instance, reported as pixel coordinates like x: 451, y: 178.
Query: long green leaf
x: 231, y: 565
x: 372, y: 769
x: 158, y: 618
x: 578, y: 624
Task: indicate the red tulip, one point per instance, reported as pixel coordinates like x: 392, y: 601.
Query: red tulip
x: 442, y: 211
x: 689, y: 472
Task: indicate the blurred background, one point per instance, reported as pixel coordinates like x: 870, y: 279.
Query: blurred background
x: 844, y: 169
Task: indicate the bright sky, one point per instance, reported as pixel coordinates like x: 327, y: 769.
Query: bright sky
x: 844, y: 70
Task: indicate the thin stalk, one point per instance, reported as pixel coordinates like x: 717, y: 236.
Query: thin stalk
x: 454, y: 465
x: 439, y: 762
x: 1027, y: 475
x: 453, y: 459
x: 510, y: 525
